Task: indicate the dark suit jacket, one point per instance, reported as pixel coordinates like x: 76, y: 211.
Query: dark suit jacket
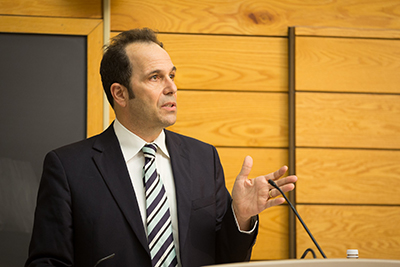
x: 87, y: 209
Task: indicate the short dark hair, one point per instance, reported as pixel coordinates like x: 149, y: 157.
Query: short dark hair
x: 115, y: 66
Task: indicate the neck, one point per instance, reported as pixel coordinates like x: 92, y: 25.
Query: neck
x: 146, y: 133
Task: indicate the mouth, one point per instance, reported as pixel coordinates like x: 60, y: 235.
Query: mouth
x: 170, y: 106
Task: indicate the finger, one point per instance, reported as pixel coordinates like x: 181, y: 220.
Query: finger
x: 287, y: 180
x: 285, y: 188
x: 275, y: 202
x: 246, y: 168
x: 274, y: 193
x: 277, y: 174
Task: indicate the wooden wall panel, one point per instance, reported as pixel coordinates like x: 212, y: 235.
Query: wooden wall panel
x: 348, y: 120
x: 265, y: 160
x: 256, y: 17
x: 348, y: 176
x: 327, y: 31
x: 53, y: 8
x: 272, y: 242
x: 228, y: 62
x: 370, y: 229
x: 233, y: 118
x: 347, y: 64
x: 46, y: 25
x: 347, y: 145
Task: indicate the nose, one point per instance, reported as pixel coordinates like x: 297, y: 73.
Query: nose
x: 170, y: 87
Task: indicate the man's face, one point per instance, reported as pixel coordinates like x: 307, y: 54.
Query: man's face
x: 154, y: 104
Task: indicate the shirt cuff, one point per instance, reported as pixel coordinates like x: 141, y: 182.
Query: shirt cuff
x: 253, y: 222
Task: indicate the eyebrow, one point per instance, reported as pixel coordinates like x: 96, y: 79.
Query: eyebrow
x: 158, y: 71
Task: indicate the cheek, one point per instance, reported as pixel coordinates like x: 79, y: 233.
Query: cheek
x: 148, y: 98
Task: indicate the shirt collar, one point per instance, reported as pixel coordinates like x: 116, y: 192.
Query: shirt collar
x: 131, y: 144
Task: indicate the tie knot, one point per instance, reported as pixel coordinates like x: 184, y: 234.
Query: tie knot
x: 149, y: 150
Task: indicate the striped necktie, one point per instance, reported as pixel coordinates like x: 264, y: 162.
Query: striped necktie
x: 159, y: 229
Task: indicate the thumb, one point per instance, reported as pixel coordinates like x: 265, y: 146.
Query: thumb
x: 246, y: 168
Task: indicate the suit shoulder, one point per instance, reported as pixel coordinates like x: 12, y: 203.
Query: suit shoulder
x: 80, y: 147
x: 187, y: 139
x: 77, y: 145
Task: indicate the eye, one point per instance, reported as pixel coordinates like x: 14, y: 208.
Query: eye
x: 154, y: 77
x: 172, y: 76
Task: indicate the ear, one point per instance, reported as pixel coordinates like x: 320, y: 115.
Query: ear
x: 120, y: 94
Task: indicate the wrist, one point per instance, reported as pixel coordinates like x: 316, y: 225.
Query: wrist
x: 244, y: 222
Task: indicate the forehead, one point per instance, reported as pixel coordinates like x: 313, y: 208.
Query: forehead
x: 147, y: 57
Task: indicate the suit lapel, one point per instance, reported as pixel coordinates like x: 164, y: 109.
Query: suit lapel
x: 112, y: 167
x: 183, y: 184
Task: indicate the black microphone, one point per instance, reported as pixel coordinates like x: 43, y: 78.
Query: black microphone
x: 298, y: 216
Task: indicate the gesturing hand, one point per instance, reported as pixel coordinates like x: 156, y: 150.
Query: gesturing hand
x: 252, y: 196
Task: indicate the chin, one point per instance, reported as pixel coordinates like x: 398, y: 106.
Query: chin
x: 169, y: 121
x: 169, y: 124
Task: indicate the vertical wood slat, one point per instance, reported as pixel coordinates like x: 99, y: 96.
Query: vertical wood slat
x: 94, y: 86
x: 292, y: 136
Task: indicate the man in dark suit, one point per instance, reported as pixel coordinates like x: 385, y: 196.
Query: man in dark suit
x: 92, y: 206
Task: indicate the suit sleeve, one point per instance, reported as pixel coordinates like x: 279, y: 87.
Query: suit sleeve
x: 51, y: 243
x: 231, y: 244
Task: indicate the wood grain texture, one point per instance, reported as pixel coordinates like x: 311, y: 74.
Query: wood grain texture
x: 233, y: 118
x: 347, y: 120
x: 254, y: 17
x: 47, y: 25
x: 347, y: 65
x: 346, y: 32
x: 272, y: 241
x: 228, y: 62
x: 53, y: 8
x: 273, y: 238
x: 347, y: 176
x: 373, y: 230
x: 265, y: 160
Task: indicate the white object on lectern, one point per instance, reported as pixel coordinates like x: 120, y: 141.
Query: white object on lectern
x: 352, y: 253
